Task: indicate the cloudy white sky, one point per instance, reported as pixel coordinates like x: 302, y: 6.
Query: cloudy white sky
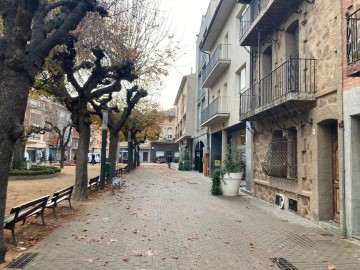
x: 185, y: 17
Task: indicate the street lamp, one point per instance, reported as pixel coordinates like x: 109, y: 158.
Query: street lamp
x: 103, y: 147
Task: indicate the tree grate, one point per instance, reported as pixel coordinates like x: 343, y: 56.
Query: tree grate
x: 22, y: 261
x: 283, y: 264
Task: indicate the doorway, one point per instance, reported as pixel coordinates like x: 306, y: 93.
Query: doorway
x: 328, y: 172
x: 335, y: 175
x: 199, y: 157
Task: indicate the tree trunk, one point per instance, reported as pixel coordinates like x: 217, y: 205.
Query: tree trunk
x: 81, y: 179
x: 18, y: 157
x: 13, y: 95
x: 62, y: 152
x: 138, y: 156
x: 113, y: 152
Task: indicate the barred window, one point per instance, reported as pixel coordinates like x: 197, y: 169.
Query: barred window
x: 281, y: 159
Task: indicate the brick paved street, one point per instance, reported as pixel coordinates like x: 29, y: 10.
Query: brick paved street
x: 167, y: 219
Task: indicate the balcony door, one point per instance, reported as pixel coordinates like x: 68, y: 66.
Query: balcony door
x: 292, y: 48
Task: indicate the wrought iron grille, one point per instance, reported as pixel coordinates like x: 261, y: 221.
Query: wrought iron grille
x: 281, y: 159
x: 353, y: 37
x: 296, y: 75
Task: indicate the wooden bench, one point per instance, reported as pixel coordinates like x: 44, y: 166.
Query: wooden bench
x: 59, y: 196
x: 23, y: 211
x: 119, y: 171
x: 94, y: 182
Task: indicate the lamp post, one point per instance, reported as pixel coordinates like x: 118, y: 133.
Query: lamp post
x: 130, y: 154
x: 103, y: 147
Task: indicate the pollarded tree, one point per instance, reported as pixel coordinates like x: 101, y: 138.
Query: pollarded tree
x: 63, y: 133
x: 31, y: 29
x: 103, y: 78
x: 140, y: 31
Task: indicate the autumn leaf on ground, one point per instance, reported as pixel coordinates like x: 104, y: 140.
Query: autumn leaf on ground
x: 175, y: 257
x: 135, y: 231
x: 125, y: 259
x: 137, y: 253
x: 93, y: 260
x: 331, y: 267
x: 192, y: 238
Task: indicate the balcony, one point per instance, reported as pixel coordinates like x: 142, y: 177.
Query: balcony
x: 353, y: 44
x: 215, y: 21
x: 215, y: 112
x: 218, y: 62
x: 181, y: 135
x: 254, y: 18
x: 292, y: 83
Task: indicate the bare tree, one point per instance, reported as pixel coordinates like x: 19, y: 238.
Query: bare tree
x: 140, y: 31
x: 31, y: 29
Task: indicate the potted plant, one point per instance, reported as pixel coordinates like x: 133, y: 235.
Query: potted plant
x: 217, y: 175
x: 233, y: 172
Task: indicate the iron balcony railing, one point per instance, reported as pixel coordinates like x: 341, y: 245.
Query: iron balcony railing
x: 352, y: 37
x: 250, y: 15
x: 219, y: 105
x: 221, y: 53
x: 294, y: 76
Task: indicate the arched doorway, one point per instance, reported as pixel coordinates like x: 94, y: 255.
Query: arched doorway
x: 198, y: 159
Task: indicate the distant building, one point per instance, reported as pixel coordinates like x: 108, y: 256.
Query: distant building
x: 185, y: 114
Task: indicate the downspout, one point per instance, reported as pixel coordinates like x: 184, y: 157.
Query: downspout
x: 343, y: 201
x: 207, y: 132
x: 344, y: 233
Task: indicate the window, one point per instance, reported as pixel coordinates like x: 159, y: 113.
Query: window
x: 281, y: 160
x: 242, y: 79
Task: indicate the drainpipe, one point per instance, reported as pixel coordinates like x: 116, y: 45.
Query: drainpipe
x: 343, y: 201
x: 344, y: 233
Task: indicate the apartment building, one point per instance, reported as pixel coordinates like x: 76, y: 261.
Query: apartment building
x: 151, y: 151
x: 294, y: 104
x: 39, y: 146
x: 185, y: 114
x: 222, y: 73
x: 351, y: 115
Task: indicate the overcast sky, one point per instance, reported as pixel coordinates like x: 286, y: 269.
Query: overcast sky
x: 185, y: 17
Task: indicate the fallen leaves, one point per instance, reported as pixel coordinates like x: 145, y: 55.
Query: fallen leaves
x: 192, y: 238
x: 331, y: 267
x: 137, y: 253
x: 93, y: 260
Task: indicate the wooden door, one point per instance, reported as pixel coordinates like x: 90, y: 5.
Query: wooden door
x: 336, y: 183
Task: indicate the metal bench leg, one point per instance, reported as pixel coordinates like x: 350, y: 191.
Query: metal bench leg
x: 54, y: 212
x: 42, y: 216
x: 13, y: 235
x: 70, y: 203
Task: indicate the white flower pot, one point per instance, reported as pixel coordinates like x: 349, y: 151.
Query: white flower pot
x: 230, y: 184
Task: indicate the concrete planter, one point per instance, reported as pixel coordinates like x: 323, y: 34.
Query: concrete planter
x: 230, y: 184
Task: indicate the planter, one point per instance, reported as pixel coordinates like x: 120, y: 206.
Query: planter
x: 230, y: 184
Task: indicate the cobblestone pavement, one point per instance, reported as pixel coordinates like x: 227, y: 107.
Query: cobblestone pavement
x: 167, y: 219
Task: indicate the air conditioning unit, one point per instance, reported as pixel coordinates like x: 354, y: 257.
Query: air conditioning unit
x: 280, y: 200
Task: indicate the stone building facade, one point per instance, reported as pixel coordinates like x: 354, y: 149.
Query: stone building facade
x: 295, y: 104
